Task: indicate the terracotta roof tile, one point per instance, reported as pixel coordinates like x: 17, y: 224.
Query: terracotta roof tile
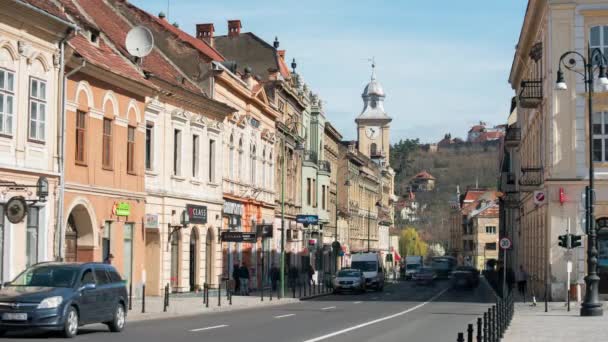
x: 47, y: 6
x: 116, y: 28
x: 198, y: 44
x: 104, y: 57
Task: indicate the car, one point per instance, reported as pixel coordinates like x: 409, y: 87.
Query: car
x: 349, y: 280
x: 62, y: 297
x: 424, y: 276
x: 465, y: 277
x: 410, y: 270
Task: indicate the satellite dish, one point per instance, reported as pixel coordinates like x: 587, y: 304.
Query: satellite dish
x: 140, y: 41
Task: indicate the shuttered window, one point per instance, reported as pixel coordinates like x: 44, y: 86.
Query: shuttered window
x: 131, y: 149
x: 107, y: 144
x: 81, y: 130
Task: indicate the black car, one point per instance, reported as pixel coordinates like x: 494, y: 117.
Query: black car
x: 62, y: 297
x: 465, y: 277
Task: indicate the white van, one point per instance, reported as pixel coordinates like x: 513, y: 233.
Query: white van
x: 371, y: 265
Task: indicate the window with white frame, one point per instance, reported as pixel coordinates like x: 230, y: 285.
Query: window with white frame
x: 7, y: 100
x: 264, y: 168
x: 253, y: 166
x: 177, y: 152
x: 195, y: 155
x: 600, y: 137
x: 37, y: 109
x: 241, y: 161
x: 31, y: 246
x: 231, y: 157
x: 598, y: 38
x: 490, y: 229
x: 211, y: 160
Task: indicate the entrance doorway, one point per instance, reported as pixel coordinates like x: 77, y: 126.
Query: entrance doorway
x: 175, y: 244
x: 194, y: 255
x: 210, y: 256
x: 79, y: 235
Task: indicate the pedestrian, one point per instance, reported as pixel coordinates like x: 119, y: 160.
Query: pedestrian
x: 275, y: 274
x: 244, y: 279
x: 292, y: 275
x: 108, y: 260
x: 235, y: 277
x: 311, y: 273
x: 522, y: 281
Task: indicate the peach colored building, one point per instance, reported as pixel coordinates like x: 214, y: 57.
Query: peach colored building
x: 105, y: 132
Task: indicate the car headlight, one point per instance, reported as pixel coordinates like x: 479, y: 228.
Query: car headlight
x: 50, y: 303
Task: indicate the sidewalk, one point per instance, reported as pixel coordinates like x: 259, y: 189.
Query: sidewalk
x: 192, y: 304
x: 533, y: 324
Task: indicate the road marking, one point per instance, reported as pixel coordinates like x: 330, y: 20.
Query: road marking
x: 329, y: 308
x: 283, y: 316
x: 357, y: 302
x: 209, y: 328
x: 339, y: 332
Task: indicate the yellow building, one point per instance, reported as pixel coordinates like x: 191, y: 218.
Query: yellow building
x: 546, y: 146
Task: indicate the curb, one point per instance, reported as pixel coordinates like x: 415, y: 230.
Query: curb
x: 315, y: 296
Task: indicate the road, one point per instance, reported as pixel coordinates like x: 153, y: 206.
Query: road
x: 402, y: 312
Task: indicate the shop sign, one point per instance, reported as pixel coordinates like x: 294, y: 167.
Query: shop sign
x: 122, y: 209
x: 197, y: 214
x: 233, y: 208
x: 264, y: 230
x: 307, y: 219
x: 151, y: 221
x: 239, y: 237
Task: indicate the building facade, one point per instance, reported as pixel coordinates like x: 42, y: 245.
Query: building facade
x: 30, y: 119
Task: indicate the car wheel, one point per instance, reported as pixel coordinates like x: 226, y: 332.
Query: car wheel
x: 70, y: 326
x: 120, y: 319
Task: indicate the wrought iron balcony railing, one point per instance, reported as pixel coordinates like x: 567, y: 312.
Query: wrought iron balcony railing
x: 531, y: 178
x: 531, y: 94
x: 324, y: 165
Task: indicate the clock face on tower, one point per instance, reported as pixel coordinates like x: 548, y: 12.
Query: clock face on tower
x: 372, y: 132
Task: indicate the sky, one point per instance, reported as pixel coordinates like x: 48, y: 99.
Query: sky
x: 444, y: 64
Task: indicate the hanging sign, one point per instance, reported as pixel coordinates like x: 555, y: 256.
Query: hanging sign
x: 151, y: 221
x: 121, y: 209
x: 239, y: 237
x: 197, y: 213
x: 307, y: 219
x: 15, y: 209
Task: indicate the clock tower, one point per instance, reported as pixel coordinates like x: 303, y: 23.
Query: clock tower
x: 373, y: 123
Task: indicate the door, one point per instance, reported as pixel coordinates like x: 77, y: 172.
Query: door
x: 128, y: 252
x: 193, y: 264
x: 71, y: 241
x: 175, y: 241
x: 89, y: 308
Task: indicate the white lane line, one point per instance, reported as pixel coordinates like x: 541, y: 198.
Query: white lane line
x: 329, y: 308
x: 359, y: 326
x: 283, y: 316
x: 209, y: 328
x: 357, y: 302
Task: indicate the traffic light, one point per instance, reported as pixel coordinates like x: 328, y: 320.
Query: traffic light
x: 563, y: 241
x: 575, y: 240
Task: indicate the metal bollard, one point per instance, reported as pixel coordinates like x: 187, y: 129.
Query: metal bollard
x: 499, y: 318
x: 270, y: 295
x: 206, y: 295
x: 299, y: 290
x: 262, y: 293
x: 130, y: 296
x: 294, y: 290
x: 219, y: 294
x: 460, y: 337
x: 493, y: 324
x: 166, y: 299
x: 479, y: 327
x: 470, y: 333
x: 485, y: 327
x: 314, y: 289
x: 143, y: 298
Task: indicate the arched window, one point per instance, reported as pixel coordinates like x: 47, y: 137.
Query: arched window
x: 231, y: 157
x: 253, y: 166
x: 270, y: 170
x: 241, y: 164
x: 373, y: 149
x: 264, y: 183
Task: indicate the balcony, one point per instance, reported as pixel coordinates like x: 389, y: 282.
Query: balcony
x: 512, y: 137
x: 511, y: 200
x: 378, y: 154
x: 310, y: 156
x: 531, y: 179
x: 531, y: 94
x: 324, y: 166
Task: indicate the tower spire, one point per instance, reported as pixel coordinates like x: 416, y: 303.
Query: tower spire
x: 373, y: 60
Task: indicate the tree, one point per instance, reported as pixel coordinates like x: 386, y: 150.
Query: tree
x: 410, y: 243
x: 435, y: 250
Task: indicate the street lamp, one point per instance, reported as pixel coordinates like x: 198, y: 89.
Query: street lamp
x: 299, y: 147
x: 595, y: 60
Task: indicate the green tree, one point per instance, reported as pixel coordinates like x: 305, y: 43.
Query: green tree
x: 410, y: 243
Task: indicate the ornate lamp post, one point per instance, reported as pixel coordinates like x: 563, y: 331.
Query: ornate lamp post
x: 595, y: 60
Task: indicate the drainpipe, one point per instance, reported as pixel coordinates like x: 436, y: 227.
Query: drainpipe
x: 60, y: 227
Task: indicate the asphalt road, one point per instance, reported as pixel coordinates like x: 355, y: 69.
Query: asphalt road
x: 403, y: 312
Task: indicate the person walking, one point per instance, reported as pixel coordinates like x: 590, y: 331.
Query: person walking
x: 235, y: 277
x: 311, y: 273
x: 244, y: 279
x: 522, y: 281
x: 275, y: 274
x: 109, y: 259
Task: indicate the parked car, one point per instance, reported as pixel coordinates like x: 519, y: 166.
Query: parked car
x: 410, y: 270
x: 465, y: 276
x: 349, y: 279
x: 424, y: 276
x: 371, y: 265
x: 62, y: 297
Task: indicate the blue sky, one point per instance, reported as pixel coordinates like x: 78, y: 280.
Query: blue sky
x: 443, y: 64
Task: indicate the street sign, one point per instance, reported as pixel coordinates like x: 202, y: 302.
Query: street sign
x: 307, y: 219
x: 539, y: 197
x: 239, y: 237
x: 505, y: 243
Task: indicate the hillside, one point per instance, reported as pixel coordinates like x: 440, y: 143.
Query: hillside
x: 465, y: 165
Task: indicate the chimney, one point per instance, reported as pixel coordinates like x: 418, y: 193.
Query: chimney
x: 205, y: 32
x: 281, y: 54
x: 234, y: 28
